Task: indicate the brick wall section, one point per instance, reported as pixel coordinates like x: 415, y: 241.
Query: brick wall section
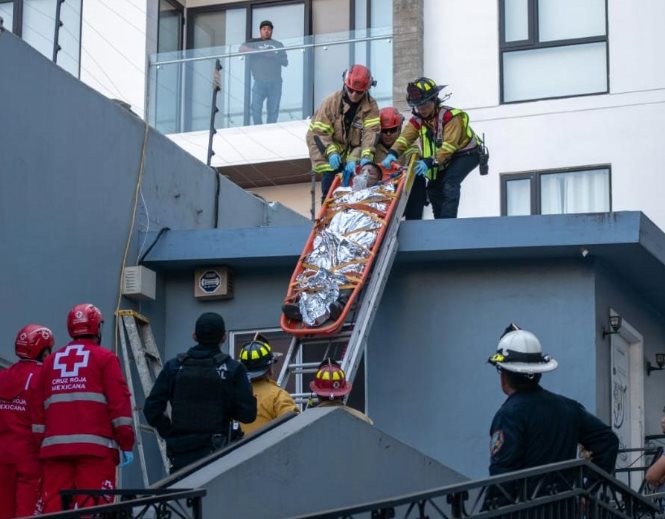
x: 407, y: 47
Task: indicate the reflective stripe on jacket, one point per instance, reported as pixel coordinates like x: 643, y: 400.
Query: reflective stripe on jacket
x: 444, y: 134
x: 17, y: 384
x: 328, y: 125
x: 82, y: 403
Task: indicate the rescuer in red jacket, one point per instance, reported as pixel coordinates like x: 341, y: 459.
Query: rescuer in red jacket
x: 84, y: 419
x: 20, y: 473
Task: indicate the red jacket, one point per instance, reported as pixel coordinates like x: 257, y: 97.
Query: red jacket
x: 82, y: 403
x: 16, y: 385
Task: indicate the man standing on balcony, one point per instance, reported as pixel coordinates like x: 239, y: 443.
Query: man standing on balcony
x: 266, y: 66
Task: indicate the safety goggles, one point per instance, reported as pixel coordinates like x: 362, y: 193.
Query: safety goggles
x: 354, y: 91
x: 390, y: 131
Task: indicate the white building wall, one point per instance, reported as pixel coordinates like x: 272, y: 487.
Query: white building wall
x: 113, y: 49
x: 622, y: 128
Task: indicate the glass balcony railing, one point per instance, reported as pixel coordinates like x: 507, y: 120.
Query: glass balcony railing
x: 181, y: 83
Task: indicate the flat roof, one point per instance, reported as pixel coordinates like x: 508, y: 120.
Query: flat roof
x: 627, y: 241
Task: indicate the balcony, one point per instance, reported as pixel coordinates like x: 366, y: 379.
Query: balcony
x: 180, y: 102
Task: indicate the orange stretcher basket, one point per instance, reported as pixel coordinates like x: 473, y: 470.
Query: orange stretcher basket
x: 355, y: 282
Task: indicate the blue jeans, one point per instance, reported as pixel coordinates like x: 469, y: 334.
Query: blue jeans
x: 262, y: 90
x: 444, y: 192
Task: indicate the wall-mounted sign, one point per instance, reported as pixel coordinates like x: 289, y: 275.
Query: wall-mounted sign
x: 213, y: 283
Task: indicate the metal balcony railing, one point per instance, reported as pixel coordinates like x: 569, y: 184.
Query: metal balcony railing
x: 135, y: 503
x: 566, y: 490
x: 180, y: 83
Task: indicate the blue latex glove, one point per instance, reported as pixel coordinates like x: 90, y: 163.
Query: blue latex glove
x: 388, y: 161
x: 346, y: 178
x: 350, y: 167
x: 126, y: 458
x: 423, y: 166
x: 335, y: 161
x: 364, y: 162
x: 349, y: 171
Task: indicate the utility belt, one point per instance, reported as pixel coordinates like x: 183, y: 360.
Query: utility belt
x: 183, y: 443
x: 476, y: 145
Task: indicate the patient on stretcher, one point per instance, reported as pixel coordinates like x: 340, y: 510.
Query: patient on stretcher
x: 341, y: 246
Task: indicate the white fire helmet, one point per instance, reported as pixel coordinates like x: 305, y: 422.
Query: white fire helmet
x: 519, y: 351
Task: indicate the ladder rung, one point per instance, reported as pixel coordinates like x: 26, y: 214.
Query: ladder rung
x: 303, y: 365
x: 134, y: 314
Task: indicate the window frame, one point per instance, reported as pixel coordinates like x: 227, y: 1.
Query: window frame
x: 17, y: 15
x: 236, y: 338
x: 532, y: 43
x: 17, y: 27
x: 535, y: 190
x: 177, y: 6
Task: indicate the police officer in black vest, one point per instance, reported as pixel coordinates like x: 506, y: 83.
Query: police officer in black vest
x: 206, y: 389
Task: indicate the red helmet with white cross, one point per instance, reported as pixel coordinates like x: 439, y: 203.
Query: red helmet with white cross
x: 32, y: 340
x: 84, y: 320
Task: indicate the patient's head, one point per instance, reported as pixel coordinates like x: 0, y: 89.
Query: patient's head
x: 370, y: 175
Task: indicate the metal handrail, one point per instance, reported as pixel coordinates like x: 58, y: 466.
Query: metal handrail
x: 563, y: 490
x: 163, y: 503
x: 289, y: 48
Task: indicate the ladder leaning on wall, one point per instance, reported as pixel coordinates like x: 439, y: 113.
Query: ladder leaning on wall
x: 138, y: 345
x: 348, y: 345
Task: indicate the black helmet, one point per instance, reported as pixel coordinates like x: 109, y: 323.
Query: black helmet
x: 257, y: 356
x: 421, y: 91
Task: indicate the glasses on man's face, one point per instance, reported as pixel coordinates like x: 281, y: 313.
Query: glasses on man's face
x: 390, y: 131
x: 354, y: 91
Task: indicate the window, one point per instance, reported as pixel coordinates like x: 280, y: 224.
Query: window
x: 7, y: 14
x: 313, y: 354
x: 34, y: 21
x: 578, y: 190
x: 553, y: 48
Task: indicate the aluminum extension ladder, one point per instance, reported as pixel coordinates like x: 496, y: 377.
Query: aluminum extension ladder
x: 138, y: 344
x: 348, y: 346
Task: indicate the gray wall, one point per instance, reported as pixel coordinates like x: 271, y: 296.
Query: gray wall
x: 429, y: 383
x: 613, y: 291
x: 256, y: 304
x: 322, y: 459
x: 69, y: 163
x: 435, y: 322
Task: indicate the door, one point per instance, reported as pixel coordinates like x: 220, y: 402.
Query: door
x: 627, y: 399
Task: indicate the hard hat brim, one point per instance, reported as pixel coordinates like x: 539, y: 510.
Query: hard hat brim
x: 331, y: 392
x: 258, y: 373
x: 526, y: 368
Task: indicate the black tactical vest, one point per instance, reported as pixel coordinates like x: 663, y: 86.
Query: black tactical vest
x: 200, y: 396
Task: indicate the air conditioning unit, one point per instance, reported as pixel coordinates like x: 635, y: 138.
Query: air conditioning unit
x: 139, y: 283
x: 213, y: 283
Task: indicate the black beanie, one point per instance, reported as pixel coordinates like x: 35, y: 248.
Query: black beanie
x: 210, y: 328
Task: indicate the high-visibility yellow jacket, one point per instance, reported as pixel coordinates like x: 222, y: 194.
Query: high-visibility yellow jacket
x: 271, y: 402
x: 447, y: 132
x: 354, y: 142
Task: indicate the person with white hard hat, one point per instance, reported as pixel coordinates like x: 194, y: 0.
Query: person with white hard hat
x: 534, y: 426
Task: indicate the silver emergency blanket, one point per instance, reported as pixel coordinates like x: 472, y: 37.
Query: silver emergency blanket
x: 341, y: 248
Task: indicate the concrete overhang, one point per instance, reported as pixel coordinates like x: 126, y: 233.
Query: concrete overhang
x: 254, y: 156
x: 321, y: 459
x: 627, y: 241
